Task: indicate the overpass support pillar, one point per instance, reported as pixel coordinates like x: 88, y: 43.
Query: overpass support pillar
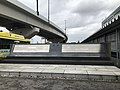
x: 26, y: 32
x: 117, y: 46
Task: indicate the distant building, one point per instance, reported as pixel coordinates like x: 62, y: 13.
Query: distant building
x: 110, y: 33
x: 111, y: 18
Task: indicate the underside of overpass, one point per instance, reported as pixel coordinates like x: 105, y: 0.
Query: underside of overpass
x: 19, y: 19
x: 28, y: 31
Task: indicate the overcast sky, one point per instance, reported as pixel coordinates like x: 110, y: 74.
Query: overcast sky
x: 83, y: 17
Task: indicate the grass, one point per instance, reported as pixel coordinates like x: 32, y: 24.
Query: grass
x: 3, y: 55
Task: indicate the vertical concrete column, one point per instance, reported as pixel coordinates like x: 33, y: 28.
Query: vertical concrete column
x: 107, y: 48
x: 32, y: 32
x: 27, y: 32
x: 117, y: 46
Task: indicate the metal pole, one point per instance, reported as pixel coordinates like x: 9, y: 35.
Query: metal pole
x: 65, y: 26
x: 48, y: 10
x: 37, y: 7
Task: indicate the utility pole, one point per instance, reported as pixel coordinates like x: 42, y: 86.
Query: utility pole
x: 37, y: 4
x: 65, y: 27
x: 48, y: 11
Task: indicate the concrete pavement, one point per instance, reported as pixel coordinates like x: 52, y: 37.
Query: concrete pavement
x: 58, y: 77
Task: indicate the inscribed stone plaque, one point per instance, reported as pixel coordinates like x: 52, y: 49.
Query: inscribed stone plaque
x: 93, y: 48
x: 31, y: 48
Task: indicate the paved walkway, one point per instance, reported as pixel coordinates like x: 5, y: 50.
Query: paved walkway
x: 58, y: 77
x: 61, y: 69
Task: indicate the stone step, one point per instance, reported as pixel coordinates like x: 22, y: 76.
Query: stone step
x: 80, y: 61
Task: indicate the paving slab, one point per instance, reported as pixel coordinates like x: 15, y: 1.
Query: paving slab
x: 32, y: 70
x: 87, y: 69
x: 100, y: 73
x: 116, y: 73
x: 65, y: 68
x: 78, y: 72
x: 75, y: 72
x: 52, y: 71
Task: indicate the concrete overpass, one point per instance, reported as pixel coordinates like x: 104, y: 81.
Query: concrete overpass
x: 20, y: 19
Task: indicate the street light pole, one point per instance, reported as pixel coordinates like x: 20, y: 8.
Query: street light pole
x: 65, y: 27
x: 48, y: 10
x: 37, y: 7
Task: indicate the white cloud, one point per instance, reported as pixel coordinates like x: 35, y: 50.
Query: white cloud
x: 30, y: 3
x: 80, y: 33
x: 83, y: 17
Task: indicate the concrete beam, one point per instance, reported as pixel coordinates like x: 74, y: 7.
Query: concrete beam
x: 27, y: 32
x: 17, y: 12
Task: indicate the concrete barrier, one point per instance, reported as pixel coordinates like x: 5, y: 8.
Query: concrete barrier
x: 61, y: 50
x: 61, y: 53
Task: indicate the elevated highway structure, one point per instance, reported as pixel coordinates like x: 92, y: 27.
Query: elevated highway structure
x: 20, y: 19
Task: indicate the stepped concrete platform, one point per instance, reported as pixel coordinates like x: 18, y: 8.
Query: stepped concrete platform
x: 91, y: 54
x: 55, y: 50
x: 58, y: 77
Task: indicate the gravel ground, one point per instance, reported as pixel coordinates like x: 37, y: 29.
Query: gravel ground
x: 54, y: 84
